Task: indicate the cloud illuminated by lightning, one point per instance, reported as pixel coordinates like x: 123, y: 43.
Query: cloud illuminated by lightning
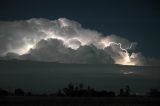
x: 25, y: 35
x: 126, y: 60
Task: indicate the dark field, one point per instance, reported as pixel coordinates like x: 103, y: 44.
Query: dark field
x: 48, y: 78
x: 78, y: 101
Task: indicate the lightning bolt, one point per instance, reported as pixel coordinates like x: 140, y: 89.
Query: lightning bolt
x: 118, y: 44
x: 126, y: 59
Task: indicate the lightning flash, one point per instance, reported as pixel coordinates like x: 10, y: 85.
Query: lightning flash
x: 21, y: 39
x: 126, y: 58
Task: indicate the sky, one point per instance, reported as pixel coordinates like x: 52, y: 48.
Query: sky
x: 124, y: 21
x: 135, y: 20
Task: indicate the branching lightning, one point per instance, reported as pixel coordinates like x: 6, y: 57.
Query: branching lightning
x: 71, y: 34
x: 126, y: 60
x: 118, y: 44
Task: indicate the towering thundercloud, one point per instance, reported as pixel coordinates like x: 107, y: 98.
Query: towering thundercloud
x: 64, y: 41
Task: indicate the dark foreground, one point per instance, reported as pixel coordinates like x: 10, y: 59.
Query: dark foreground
x: 77, y: 101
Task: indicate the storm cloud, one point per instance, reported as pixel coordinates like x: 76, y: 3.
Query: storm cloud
x: 64, y: 41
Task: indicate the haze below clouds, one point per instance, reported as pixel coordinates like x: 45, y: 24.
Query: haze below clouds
x: 47, y: 77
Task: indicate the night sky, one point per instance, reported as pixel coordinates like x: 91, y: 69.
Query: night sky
x: 136, y: 20
x: 30, y: 27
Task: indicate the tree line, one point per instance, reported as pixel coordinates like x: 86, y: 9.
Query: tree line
x: 78, y: 90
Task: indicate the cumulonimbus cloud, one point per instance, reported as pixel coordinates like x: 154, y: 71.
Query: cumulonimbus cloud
x: 64, y: 41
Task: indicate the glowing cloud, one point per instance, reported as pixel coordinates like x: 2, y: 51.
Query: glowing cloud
x: 126, y: 58
x: 65, y: 41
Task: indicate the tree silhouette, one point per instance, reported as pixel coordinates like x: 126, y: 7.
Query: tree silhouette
x: 60, y: 92
x: 4, y: 92
x: 121, y: 92
x: 80, y: 86
x: 127, y: 90
x: 154, y: 92
x: 29, y: 94
x: 19, y: 92
x: 80, y: 91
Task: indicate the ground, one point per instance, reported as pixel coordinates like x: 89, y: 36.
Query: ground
x: 77, y: 101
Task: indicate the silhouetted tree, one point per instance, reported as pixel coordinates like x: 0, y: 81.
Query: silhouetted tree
x: 4, y: 92
x: 127, y: 91
x: 79, y: 91
x: 29, y: 94
x: 121, y: 92
x: 154, y: 92
x: 69, y: 91
x: 71, y: 86
x: 60, y: 92
x: 90, y: 91
x: 111, y: 94
x: 80, y: 86
x: 19, y: 92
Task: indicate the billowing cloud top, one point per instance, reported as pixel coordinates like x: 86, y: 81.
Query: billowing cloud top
x: 64, y: 41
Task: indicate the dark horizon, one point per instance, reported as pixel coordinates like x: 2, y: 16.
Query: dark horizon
x: 43, y: 77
